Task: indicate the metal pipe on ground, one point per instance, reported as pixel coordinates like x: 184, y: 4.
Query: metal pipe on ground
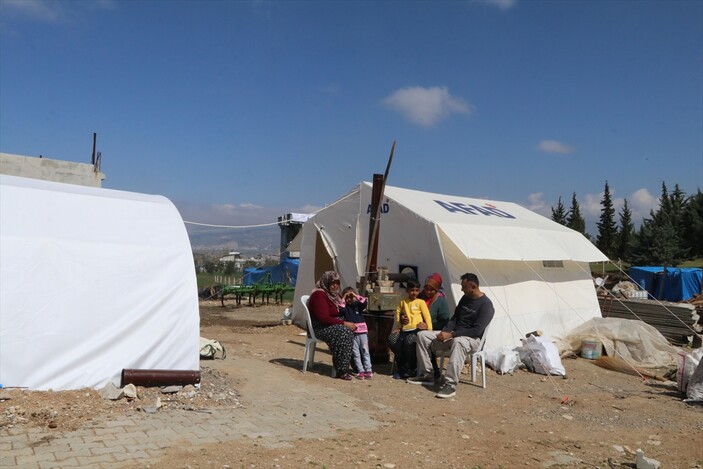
x: 148, y: 378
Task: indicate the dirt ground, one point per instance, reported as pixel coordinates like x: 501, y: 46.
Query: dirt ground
x: 594, y: 418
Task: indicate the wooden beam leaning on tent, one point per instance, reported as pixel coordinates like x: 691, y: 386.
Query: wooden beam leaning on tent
x: 461, y: 337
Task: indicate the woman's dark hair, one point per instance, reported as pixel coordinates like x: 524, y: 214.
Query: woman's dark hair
x: 411, y: 284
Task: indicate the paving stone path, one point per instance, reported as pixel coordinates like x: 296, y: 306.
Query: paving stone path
x: 283, y: 412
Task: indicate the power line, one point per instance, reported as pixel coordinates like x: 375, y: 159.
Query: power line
x: 229, y: 226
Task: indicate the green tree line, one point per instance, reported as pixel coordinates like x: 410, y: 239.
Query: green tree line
x: 672, y: 233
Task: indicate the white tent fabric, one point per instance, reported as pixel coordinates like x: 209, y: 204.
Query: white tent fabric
x: 534, y: 270
x: 92, y: 281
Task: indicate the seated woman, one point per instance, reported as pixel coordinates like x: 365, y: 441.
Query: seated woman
x: 338, y: 334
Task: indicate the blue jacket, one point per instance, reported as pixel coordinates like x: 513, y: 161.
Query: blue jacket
x: 353, y: 312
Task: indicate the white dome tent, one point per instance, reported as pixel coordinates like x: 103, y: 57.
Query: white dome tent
x: 92, y: 281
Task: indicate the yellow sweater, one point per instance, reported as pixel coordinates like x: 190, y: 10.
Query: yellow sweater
x: 416, y: 311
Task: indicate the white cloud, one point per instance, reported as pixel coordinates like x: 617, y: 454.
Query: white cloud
x: 641, y: 202
x: 228, y: 214
x: 51, y: 11
x: 425, y: 106
x: 536, y: 203
x: 552, y: 146
x: 246, y: 205
x: 37, y: 10
x: 590, y: 205
x: 235, y: 214
x: 502, y: 4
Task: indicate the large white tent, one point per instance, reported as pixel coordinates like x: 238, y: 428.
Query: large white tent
x: 92, y: 281
x: 535, y: 271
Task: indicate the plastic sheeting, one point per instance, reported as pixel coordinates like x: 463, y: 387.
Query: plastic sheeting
x: 285, y: 272
x: 634, y: 341
x: 668, y: 283
x: 92, y: 281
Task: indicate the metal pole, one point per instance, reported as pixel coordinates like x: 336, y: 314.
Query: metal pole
x: 375, y: 221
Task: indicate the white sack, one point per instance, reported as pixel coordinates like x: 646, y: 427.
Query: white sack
x: 211, y: 349
x: 503, y: 360
x: 688, y: 362
x: 544, y: 356
x: 694, y: 392
x: 634, y: 341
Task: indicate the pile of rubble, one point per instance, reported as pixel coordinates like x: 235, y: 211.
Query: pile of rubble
x: 69, y: 410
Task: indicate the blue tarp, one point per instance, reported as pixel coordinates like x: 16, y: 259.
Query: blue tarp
x: 285, y: 272
x: 668, y: 283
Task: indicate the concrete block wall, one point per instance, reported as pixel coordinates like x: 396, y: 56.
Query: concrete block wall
x: 82, y: 174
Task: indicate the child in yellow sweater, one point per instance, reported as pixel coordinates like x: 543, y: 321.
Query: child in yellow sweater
x: 410, y: 312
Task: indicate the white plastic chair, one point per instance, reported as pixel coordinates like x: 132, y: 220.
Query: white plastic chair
x: 310, y: 340
x: 480, y: 354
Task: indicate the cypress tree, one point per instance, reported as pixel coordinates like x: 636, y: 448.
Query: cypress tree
x: 657, y: 245
x: 574, y: 220
x: 625, y: 235
x: 677, y: 202
x: 559, y: 214
x: 692, y: 225
x: 659, y: 237
x: 606, y: 225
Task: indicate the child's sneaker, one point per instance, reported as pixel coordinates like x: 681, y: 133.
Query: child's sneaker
x: 361, y: 375
x: 368, y: 375
x: 396, y: 375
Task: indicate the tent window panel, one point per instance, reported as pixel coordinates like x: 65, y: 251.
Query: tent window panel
x: 553, y: 264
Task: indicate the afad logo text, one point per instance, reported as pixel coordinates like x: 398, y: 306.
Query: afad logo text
x: 470, y: 209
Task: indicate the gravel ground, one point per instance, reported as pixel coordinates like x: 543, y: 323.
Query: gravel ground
x: 595, y: 418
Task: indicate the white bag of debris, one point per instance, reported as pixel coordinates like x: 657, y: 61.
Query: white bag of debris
x: 688, y: 362
x: 544, y: 356
x: 625, y: 289
x: 503, y: 360
x: 211, y: 349
x: 694, y: 392
x: 634, y: 341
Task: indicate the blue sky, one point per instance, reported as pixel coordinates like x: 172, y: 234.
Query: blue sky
x: 241, y: 111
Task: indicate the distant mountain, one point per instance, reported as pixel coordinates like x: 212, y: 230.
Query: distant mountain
x: 264, y: 240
